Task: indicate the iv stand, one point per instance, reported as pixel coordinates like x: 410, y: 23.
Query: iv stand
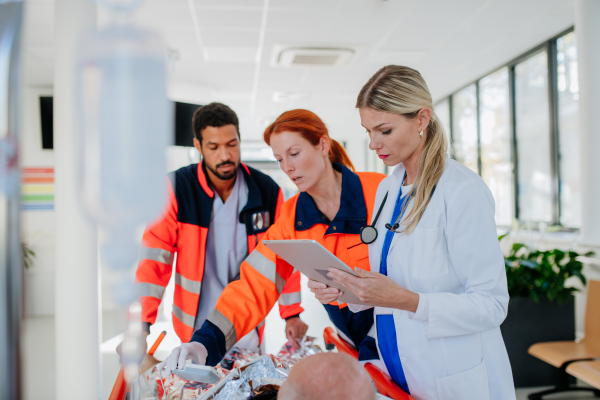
x: 11, y: 273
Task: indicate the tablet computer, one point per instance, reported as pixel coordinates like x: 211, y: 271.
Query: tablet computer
x: 313, y: 260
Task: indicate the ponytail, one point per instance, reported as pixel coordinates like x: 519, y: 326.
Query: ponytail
x: 337, y: 154
x: 310, y: 126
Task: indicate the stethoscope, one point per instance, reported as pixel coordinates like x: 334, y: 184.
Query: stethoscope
x: 368, y: 234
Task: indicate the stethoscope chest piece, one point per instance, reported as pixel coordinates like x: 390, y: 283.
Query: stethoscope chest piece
x: 368, y: 234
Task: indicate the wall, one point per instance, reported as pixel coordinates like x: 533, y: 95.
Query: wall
x: 38, y: 231
x: 38, y: 225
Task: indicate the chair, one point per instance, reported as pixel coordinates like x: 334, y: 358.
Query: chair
x: 587, y: 371
x: 562, y: 354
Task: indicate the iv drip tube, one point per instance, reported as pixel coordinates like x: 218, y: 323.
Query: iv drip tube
x: 11, y: 273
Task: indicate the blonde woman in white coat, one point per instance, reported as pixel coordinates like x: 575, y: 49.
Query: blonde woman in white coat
x: 437, y: 278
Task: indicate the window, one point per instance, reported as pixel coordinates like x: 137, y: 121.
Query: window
x: 464, y: 127
x: 442, y: 110
x: 518, y: 127
x: 532, y: 115
x: 568, y: 130
x: 496, y: 164
x: 373, y: 163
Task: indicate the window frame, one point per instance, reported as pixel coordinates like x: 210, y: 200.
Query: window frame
x: 550, y: 46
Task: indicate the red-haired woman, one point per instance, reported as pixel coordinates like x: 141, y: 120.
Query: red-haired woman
x: 333, y: 204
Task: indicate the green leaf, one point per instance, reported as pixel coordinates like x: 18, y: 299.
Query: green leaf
x: 516, y: 247
x: 580, y: 276
x: 536, y: 274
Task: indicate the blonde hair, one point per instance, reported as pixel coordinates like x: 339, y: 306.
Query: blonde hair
x: 402, y: 90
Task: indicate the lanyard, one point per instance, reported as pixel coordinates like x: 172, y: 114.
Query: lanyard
x: 386, y: 327
x: 399, y: 211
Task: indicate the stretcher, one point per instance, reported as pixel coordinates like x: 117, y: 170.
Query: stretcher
x: 384, y: 384
x: 119, y: 390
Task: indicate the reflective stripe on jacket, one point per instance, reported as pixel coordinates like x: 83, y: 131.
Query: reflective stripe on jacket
x: 246, y: 302
x: 183, y: 230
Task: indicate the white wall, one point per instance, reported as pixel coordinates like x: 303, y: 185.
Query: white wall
x: 38, y: 231
x: 38, y: 226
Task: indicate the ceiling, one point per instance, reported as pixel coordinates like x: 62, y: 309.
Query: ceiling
x: 222, y: 50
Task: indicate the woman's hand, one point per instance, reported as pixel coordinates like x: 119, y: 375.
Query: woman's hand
x: 376, y: 289
x: 325, y: 294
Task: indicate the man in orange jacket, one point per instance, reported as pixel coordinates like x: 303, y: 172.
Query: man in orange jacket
x: 218, y: 212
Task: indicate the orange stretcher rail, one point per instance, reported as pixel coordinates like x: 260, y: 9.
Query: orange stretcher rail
x: 120, y: 388
x: 385, y: 385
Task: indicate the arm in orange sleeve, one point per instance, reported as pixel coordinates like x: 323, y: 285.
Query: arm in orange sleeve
x: 156, y: 261
x: 245, y: 303
x: 289, y: 302
x: 291, y: 297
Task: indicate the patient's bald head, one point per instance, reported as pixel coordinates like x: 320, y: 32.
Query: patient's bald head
x: 327, y: 376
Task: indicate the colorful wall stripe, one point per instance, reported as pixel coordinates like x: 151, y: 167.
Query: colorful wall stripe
x: 37, y: 189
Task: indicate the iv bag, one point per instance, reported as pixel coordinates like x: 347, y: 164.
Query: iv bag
x: 126, y: 124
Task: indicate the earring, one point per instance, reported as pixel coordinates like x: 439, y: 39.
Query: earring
x: 421, y: 133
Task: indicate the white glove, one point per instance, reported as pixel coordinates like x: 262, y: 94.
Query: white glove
x: 194, y: 351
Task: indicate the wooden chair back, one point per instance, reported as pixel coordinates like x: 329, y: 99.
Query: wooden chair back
x: 592, y: 313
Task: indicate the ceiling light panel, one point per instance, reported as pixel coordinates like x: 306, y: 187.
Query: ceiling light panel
x: 311, y: 56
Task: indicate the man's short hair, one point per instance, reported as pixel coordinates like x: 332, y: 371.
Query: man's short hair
x: 216, y: 115
x: 331, y: 376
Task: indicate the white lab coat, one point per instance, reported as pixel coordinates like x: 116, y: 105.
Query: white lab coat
x: 452, y: 349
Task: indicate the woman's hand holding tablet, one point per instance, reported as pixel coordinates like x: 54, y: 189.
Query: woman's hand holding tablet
x: 315, y: 261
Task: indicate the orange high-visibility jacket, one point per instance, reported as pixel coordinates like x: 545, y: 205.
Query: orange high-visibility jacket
x: 183, y: 230
x: 246, y: 302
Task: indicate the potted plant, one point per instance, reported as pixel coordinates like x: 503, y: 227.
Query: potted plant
x: 541, y: 308
x: 27, y: 255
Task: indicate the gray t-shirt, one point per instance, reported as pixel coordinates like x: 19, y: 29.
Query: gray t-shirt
x: 226, y: 247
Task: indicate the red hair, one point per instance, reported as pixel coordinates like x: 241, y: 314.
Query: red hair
x: 310, y: 126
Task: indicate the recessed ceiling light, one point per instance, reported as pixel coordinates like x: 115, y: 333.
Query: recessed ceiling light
x: 299, y: 56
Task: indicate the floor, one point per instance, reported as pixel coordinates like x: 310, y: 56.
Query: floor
x: 522, y: 394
